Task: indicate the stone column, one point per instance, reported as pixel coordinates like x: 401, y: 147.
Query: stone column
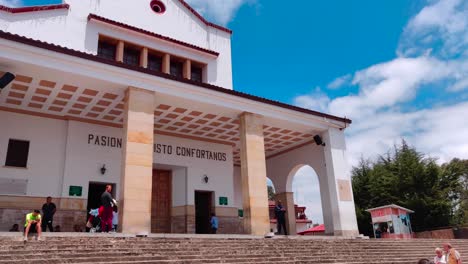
x: 137, y: 161
x: 119, y: 55
x: 287, y: 199
x: 166, y: 64
x: 338, y: 179
x: 187, y: 69
x: 144, y: 58
x: 253, y: 171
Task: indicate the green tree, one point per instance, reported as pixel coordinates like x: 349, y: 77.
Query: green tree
x: 271, y: 193
x: 455, y: 181
x: 406, y: 177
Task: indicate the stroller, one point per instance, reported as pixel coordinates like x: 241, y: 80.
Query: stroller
x: 94, y: 221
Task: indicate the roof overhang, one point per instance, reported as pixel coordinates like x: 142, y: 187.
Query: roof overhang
x: 55, y: 82
x: 47, y: 55
x: 26, y: 9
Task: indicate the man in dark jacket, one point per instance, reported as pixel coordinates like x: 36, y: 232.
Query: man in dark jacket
x: 106, y: 209
x: 48, y: 211
x: 280, y: 212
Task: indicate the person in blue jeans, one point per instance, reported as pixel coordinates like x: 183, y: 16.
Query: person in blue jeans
x: 214, y: 223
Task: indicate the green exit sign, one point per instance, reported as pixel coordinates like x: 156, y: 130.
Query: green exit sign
x: 223, y: 201
x: 75, y: 191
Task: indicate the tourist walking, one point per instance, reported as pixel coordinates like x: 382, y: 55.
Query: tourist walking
x: 452, y: 256
x: 48, y: 211
x: 280, y: 212
x: 106, y: 211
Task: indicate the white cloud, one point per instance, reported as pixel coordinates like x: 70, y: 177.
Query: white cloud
x: 222, y: 11
x: 319, y: 101
x: 445, y: 20
x: 11, y: 3
x: 439, y: 132
x: 433, y: 53
x: 340, y: 81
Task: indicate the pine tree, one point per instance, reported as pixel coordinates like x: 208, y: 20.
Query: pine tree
x: 437, y: 194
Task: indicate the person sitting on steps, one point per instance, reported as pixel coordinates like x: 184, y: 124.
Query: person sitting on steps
x: 33, y: 223
x: 14, y: 228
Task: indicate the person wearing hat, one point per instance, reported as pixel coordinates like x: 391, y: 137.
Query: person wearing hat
x: 33, y: 223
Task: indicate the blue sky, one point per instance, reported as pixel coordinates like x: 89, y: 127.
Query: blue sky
x: 398, y: 68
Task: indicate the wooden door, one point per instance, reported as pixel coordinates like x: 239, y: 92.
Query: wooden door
x: 161, y: 202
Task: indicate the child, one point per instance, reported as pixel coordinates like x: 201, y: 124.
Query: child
x: 214, y: 223
x: 115, y: 219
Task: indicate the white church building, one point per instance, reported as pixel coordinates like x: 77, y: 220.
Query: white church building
x: 139, y: 94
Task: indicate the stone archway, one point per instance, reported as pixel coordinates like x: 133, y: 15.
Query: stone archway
x: 311, y: 185
x: 307, y: 193
x: 330, y: 164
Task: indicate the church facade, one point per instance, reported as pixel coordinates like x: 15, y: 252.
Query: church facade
x: 140, y: 96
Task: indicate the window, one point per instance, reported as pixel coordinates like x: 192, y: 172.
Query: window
x: 155, y: 62
x: 131, y: 56
x: 106, y: 50
x: 196, y: 74
x: 17, y: 153
x: 177, y: 68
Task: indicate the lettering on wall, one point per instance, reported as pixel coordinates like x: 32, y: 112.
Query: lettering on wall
x: 165, y: 149
x: 104, y: 141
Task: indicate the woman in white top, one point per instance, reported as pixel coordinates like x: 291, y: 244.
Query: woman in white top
x: 440, y: 257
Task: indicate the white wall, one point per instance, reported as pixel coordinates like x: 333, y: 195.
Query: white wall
x: 46, y: 151
x: 70, y: 28
x: 83, y: 160
x: 58, y: 160
x: 179, y: 186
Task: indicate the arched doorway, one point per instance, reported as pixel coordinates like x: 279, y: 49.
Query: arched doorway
x: 302, y: 198
x: 307, y: 197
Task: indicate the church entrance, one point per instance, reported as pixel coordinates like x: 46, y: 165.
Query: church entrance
x: 161, y: 201
x: 95, y: 190
x: 203, y: 207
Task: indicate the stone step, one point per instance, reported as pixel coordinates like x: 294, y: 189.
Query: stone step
x: 210, y: 259
x: 196, y: 250
x: 38, y: 251
x: 266, y: 242
x: 183, y: 254
x: 325, y: 258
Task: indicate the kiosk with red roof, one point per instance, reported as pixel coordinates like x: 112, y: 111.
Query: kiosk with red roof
x: 391, y: 221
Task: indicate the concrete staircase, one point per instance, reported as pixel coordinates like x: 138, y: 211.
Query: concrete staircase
x: 114, y: 249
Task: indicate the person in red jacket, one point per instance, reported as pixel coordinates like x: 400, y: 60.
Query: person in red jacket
x: 106, y: 209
